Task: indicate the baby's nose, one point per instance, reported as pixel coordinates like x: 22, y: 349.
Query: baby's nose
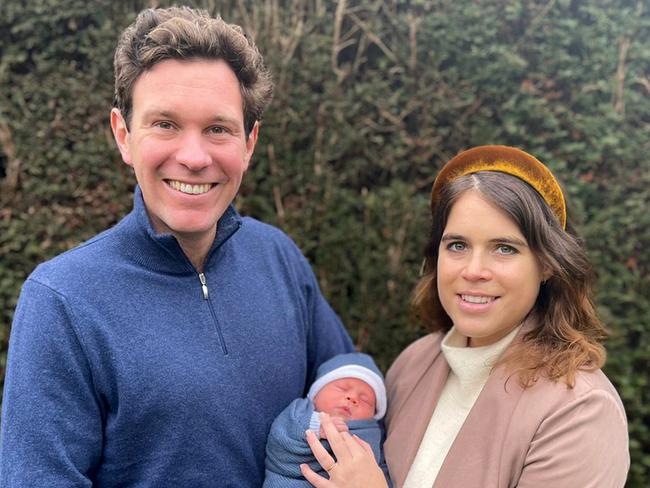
x: 352, y: 399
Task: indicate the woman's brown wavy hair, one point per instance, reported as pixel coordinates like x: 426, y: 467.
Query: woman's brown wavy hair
x: 569, y: 335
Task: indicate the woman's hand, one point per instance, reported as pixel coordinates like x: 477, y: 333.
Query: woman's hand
x: 339, y: 424
x: 354, y: 467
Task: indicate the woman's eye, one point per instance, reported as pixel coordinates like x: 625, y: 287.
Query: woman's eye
x: 505, y: 249
x: 456, y: 246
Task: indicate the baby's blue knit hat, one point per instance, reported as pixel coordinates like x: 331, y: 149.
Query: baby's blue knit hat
x: 352, y: 365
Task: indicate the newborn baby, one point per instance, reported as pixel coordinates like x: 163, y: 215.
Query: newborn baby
x: 348, y: 387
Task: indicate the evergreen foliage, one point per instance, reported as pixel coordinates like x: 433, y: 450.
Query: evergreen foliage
x: 372, y: 98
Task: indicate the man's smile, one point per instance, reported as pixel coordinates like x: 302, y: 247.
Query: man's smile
x: 190, y: 188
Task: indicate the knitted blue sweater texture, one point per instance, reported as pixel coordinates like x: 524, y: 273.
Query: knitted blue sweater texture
x: 124, y: 370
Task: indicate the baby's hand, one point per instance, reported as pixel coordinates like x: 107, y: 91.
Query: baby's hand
x: 340, y: 425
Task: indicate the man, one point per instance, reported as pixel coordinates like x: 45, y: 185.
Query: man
x: 159, y: 352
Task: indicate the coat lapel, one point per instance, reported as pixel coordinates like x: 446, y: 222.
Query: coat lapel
x: 420, y: 385
x: 476, y: 455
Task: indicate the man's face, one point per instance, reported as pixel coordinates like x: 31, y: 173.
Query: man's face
x: 186, y: 144
x: 348, y: 398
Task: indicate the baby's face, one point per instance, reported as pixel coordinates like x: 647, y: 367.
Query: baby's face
x: 348, y: 398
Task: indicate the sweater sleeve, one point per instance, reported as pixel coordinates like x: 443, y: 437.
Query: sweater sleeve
x: 326, y: 335
x: 286, y: 447
x: 584, y: 444
x: 51, y: 432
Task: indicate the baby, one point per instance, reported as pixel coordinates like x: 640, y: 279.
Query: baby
x: 348, y: 387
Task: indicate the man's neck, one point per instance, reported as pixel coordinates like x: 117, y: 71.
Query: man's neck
x: 195, y: 250
x: 195, y: 245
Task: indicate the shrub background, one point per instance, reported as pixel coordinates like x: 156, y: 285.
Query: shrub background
x: 372, y: 97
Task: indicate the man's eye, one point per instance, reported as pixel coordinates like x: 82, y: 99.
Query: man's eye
x: 164, y: 125
x: 217, y: 130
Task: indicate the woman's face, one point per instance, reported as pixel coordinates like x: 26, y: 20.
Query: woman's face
x: 488, y: 278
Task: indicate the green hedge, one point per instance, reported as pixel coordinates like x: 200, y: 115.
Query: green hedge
x: 372, y: 97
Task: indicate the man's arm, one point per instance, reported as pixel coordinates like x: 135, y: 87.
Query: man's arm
x: 326, y: 337
x: 51, y: 433
x: 286, y: 447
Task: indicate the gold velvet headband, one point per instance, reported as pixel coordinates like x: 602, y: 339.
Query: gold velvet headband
x: 509, y: 160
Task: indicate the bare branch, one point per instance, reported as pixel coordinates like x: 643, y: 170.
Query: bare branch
x: 369, y: 122
x: 359, y: 55
x: 534, y: 23
x: 291, y: 42
x: 246, y: 20
x: 644, y: 82
x: 336, y: 43
x: 374, y: 38
x: 414, y: 24
x: 619, y: 101
x: 318, y: 143
x: 12, y: 173
x: 277, y: 194
x: 396, y: 250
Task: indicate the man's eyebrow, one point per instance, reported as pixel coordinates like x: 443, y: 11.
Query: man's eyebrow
x: 154, y: 112
x: 225, y: 119
x: 515, y: 241
x: 168, y: 114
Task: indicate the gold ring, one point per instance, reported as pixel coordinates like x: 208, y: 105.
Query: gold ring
x: 331, y: 467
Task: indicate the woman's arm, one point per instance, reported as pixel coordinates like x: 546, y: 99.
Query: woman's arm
x: 354, y: 467
x: 584, y: 443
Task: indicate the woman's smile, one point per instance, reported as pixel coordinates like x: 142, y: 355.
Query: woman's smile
x: 476, y: 303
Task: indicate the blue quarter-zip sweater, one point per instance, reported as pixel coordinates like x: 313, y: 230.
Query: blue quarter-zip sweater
x: 127, y: 368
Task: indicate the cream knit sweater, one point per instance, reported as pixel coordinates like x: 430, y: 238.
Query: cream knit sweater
x: 469, y: 371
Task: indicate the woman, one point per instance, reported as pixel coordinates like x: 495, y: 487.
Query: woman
x: 507, y: 390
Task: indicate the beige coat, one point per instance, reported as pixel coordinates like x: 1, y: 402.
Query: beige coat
x: 543, y: 436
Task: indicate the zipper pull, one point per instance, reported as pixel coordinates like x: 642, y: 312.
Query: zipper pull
x: 204, y: 286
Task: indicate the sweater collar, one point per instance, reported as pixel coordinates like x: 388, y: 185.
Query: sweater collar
x: 473, y: 364
x: 162, y: 252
